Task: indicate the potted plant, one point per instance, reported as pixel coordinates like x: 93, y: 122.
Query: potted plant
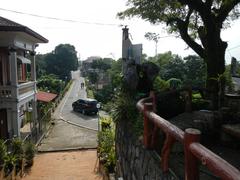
x: 3, y: 152
x: 10, y: 161
x: 17, y: 151
x: 29, y: 153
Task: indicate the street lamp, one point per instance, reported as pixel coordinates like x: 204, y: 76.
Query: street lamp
x: 98, y: 107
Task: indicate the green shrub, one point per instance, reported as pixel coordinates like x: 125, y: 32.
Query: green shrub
x: 196, y: 96
x: 29, y: 153
x: 10, y: 161
x: 3, y: 152
x: 105, y: 122
x: 160, y: 85
x: 174, y: 83
x: 17, y: 153
x: 198, y: 104
x: 106, y: 149
x: 124, y: 108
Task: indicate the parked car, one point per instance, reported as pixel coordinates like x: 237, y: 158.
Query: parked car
x: 85, y: 106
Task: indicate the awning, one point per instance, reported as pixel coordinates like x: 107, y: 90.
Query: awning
x: 24, y: 60
x: 45, y: 96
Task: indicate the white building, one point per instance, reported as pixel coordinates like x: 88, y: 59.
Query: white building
x: 17, y: 77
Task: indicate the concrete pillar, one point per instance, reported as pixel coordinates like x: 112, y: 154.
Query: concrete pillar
x: 34, y: 101
x: 13, y: 72
x: 15, y: 120
x: 33, y: 66
x: 34, y: 115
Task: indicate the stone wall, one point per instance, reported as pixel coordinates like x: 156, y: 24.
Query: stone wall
x: 134, y: 162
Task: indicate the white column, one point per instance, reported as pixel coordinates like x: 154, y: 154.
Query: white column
x: 34, y: 101
x: 13, y: 72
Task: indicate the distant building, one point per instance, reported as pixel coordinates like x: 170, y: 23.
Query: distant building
x: 87, y: 65
x: 17, y: 77
x: 235, y: 75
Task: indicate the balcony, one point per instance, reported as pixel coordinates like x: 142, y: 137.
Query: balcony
x: 26, y: 88
x: 6, y: 92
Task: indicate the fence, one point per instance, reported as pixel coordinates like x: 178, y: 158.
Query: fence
x: 193, y: 150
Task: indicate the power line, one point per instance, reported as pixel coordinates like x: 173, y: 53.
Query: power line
x: 60, y: 19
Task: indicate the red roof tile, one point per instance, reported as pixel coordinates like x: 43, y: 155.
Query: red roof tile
x: 45, y: 96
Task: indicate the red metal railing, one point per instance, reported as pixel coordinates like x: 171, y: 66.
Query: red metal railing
x: 193, y: 150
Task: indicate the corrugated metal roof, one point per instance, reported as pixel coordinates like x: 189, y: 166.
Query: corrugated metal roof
x: 45, y: 96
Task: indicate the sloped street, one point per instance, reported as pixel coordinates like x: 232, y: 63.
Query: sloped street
x: 68, y: 151
x: 71, y: 130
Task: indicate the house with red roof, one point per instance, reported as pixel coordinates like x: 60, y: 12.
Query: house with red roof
x: 17, y: 77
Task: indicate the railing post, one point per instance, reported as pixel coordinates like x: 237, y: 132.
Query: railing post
x: 147, y: 130
x: 191, y: 162
x: 154, y: 102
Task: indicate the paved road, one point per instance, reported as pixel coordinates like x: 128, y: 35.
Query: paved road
x: 66, y: 111
x: 71, y: 130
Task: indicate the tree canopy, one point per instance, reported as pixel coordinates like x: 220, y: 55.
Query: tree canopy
x: 189, y: 19
x: 61, y: 61
x: 192, y: 20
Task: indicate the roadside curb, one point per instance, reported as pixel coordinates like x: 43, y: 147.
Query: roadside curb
x: 75, y: 124
x: 67, y: 150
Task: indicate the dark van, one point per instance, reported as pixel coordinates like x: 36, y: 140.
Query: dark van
x: 85, y: 106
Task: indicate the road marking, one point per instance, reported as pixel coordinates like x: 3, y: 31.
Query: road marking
x: 65, y: 100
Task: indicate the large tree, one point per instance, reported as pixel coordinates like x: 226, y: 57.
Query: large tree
x: 192, y: 20
x: 61, y: 61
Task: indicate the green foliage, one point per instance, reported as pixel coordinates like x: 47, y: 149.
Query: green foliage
x: 105, y: 122
x: 228, y: 79
x: 102, y: 64
x: 195, y: 71
x: 175, y: 13
x: 174, y: 68
x: 19, y: 151
x: 105, y: 94
x: 196, y: 96
x: 17, y: 147
x: 89, y: 89
x: 198, y: 103
x: 160, y: 85
x: 174, y: 83
x: 124, y: 108
x: 59, y: 62
x: 93, y: 77
x: 50, y: 83
x: 191, y: 71
x: 29, y: 153
x: 3, y: 152
x: 10, y: 161
x: 115, y: 73
x: 106, y: 150
x: 198, y: 23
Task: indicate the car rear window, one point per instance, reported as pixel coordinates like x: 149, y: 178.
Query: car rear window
x: 93, y: 102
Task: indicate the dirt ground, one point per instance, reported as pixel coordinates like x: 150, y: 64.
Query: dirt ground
x: 69, y: 165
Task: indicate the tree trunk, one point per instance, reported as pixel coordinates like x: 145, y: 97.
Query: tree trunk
x: 215, y: 85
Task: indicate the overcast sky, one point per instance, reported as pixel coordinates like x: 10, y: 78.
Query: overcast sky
x: 91, y: 39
